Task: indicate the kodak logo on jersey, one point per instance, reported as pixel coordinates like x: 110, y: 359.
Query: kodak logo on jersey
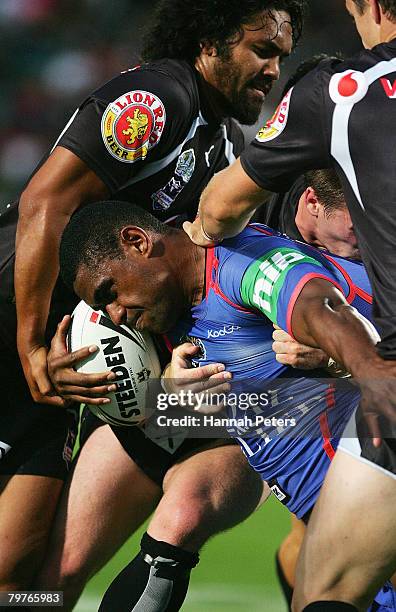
x: 132, y: 125
x: 277, y: 123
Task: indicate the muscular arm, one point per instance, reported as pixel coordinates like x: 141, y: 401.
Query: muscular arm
x: 226, y: 205
x: 323, y: 319
x: 62, y: 185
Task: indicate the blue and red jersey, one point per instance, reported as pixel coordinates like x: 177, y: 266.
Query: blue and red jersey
x: 252, y: 282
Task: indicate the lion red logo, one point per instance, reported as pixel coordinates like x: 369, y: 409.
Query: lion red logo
x: 132, y: 125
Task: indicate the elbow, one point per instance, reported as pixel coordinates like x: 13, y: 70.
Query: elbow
x: 35, y: 205
x: 344, y: 310
x: 31, y: 203
x: 37, y: 216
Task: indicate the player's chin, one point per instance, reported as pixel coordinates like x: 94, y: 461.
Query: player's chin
x: 356, y: 254
x: 249, y: 107
x: 348, y: 252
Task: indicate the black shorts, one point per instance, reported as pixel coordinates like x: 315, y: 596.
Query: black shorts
x: 152, y: 459
x: 35, y: 439
x: 356, y: 441
x: 45, y: 449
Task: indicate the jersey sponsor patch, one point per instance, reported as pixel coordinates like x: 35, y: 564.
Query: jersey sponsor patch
x: 265, y: 277
x: 278, y: 121
x: 163, y: 198
x: 389, y: 88
x: 132, y: 125
x: 223, y: 331
x: 196, y: 342
x: 348, y: 87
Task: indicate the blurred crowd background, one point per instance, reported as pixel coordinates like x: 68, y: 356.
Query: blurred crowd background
x: 54, y: 52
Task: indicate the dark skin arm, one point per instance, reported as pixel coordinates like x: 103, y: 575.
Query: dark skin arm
x: 86, y: 388
x: 323, y: 319
x: 63, y: 184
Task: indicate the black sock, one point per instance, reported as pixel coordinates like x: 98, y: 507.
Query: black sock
x: 155, y: 581
x: 330, y: 606
x: 287, y: 590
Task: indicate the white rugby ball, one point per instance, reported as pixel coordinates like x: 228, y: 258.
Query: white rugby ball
x: 127, y: 352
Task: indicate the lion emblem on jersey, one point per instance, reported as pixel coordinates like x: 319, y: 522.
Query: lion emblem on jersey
x: 138, y: 125
x: 132, y: 125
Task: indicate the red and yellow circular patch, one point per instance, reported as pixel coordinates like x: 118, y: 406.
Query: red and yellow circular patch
x: 132, y: 125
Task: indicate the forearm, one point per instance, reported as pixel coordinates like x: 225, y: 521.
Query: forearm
x: 340, y: 331
x: 228, y: 202
x: 36, y: 269
x: 322, y: 318
x: 61, y: 186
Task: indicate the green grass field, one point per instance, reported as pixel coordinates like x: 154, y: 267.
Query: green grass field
x: 236, y: 572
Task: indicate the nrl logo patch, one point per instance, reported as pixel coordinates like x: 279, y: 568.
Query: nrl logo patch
x: 163, y: 198
x: 185, y: 165
x: 132, y: 125
x: 278, y: 121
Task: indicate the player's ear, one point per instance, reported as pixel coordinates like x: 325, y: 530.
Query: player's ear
x: 376, y: 11
x: 312, y: 203
x: 136, y: 241
x: 208, y: 48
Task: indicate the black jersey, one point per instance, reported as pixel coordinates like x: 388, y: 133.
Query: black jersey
x: 150, y: 135
x: 281, y: 209
x: 344, y: 115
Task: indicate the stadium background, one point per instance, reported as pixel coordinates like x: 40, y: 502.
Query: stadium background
x: 53, y: 53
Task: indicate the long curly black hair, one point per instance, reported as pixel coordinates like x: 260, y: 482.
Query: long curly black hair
x: 178, y: 26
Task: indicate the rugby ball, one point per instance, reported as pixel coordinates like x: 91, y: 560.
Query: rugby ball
x: 127, y: 352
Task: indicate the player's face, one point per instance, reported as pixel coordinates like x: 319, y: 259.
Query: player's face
x: 368, y: 30
x: 140, y: 298
x: 335, y: 232
x: 246, y: 74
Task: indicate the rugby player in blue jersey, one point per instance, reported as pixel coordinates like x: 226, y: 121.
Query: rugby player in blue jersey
x: 324, y: 122
x: 149, y: 276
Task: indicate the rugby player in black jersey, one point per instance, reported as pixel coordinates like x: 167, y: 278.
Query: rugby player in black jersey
x: 341, y: 116
x: 159, y: 131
